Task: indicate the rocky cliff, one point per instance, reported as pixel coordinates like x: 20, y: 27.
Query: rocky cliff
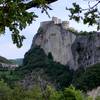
x: 53, y: 37
x: 86, y: 49
x: 66, y: 47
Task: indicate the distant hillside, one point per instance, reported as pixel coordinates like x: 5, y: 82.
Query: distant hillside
x: 18, y: 61
x: 4, y: 60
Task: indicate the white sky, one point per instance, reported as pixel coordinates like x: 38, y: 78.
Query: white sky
x: 10, y: 51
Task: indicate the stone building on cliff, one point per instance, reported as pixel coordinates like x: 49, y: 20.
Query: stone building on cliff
x: 66, y: 47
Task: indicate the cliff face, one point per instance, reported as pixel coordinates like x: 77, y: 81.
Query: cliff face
x: 54, y: 38
x: 66, y: 47
x: 86, y: 50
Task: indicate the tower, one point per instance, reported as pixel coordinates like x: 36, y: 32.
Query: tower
x: 65, y: 24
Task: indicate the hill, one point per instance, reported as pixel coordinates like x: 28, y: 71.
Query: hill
x: 4, y: 60
x: 18, y: 61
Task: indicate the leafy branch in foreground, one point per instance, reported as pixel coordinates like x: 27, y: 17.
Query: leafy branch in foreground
x: 15, y: 17
x: 90, y: 15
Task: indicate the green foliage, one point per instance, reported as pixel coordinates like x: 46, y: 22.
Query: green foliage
x: 89, y: 15
x: 5, y: 91
x: 15, y: 17
x: 36, y: 58
x: 89, y: 98
x: 98, y: 98
x: 87, y: 79
x: 40, y: 31
x: 71, y: 94
x: 72, y: 30
x: 37, y: 93
x: 10, y: 76
x: 59, y: 74
x: 50, y: 56
x: 84, y: 33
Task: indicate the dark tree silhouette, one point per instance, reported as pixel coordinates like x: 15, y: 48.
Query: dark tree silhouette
x: 14, y: 15
x: 89, y: 15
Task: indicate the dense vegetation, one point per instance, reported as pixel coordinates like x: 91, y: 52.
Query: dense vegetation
x: 81, y: 33
x: 89, y: 15
x: 61, y: 76
x: 37, y: 93
x: 15, y: 17
x: 87, y: 79
x: 36, y: 58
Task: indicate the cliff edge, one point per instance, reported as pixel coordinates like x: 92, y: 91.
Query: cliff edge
x: 54, y: 38
x: 66, y: 47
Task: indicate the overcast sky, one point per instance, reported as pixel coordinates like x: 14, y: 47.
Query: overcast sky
x: 10, y: 51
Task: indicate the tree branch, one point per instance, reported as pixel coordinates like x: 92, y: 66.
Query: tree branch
x: 32, y: 4
x: 92, y: 6
x: 29, y: 4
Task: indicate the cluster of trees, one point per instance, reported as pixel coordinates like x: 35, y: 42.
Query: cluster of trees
x: 61, y: 76
x: 14, y: 15
x: 36, y: 58
x: 87, y: 79
x: 37, y: 93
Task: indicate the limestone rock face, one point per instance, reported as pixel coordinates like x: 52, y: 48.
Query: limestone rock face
x: 86, y: 50
x: 94, y: 93
x: 66, y: 47
x: 56, y: 39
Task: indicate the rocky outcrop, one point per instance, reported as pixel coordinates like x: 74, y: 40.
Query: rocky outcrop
x: 66, y: 47
x: 9, y: 66
x: 53, y: 37
x: 37, y: 77
x: 86, y: 50
x: 94, y: 93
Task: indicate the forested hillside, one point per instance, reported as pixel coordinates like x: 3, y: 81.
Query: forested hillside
x: 4, y: 60
x: 38, y: 67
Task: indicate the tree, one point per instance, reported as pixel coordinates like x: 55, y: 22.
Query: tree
x: 5, y: 91
x: 18, y: 92
x: 90, y: 15
x: 14, y: 15
x: 98, y: 98
x: 87, y: 79
x: 72, y: 94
